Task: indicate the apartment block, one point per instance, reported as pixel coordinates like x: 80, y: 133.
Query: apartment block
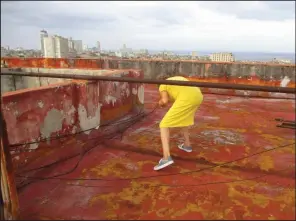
x: 222, y: 56
x: 56, y: 47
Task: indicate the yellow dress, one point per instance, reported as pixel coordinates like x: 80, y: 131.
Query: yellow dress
x: 186, y: 102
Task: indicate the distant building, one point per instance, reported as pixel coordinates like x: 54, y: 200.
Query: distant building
x: 43, y: 34
x: 144, y: 52
x: 222, y: 56
x: 4, y: 52
x: 126, y: 52
x: 19, y: 49
x: 118, y: 54
x: 85, y: 47
x: 281, y: 61
x: 204, y: 58
x: 194, y: 54
x: 141, y: 52
x: 71, y: 44
x: 75, y: 45
x: 99, y: 46
x: 56, y: 47
x: 72, y: 50
x: 78, y: 46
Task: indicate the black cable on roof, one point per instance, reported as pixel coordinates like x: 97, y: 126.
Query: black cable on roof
x: 194, y: 185
x: 55, y: 177
x: 159, y: 175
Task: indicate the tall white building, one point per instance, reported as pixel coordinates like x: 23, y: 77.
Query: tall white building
x: 3, y: 52
x: 49, y: 47
x: 222, y: 56
x: 43, y: 34
x: 99, y: 46
x: 71, y: 44
x: 85, y: 47
x: 78, y: 45
x: 56, y: 47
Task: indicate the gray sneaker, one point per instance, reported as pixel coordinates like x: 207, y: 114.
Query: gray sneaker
x: 164, y: 163
x: 183, y: 147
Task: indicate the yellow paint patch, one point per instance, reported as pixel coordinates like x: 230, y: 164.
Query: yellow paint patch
x: 266, y: 163
x: 271, y: 137
x: 260, y: 200
x: 271, y: 218
x: 201, y: 154
x: 258, y: 131
x: 164, y: 212
x: 247, y: 149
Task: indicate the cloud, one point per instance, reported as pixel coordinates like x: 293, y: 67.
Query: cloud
x: 210, y: 26
x: 255, y: 10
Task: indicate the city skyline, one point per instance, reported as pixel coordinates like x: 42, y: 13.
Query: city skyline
x: 204, y: 26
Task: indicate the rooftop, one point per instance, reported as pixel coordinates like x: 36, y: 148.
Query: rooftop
x: 242, y: 165
x: 115, y: 178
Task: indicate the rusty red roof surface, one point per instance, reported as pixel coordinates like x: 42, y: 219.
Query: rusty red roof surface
x: 115, y: 178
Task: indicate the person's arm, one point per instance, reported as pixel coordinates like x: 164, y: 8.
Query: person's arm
x: 164, y: 98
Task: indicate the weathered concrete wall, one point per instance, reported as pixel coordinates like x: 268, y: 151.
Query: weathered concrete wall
x: 237, y: 73
x: 155, y: 68
x: 13, y: 83
x: 66, y: 108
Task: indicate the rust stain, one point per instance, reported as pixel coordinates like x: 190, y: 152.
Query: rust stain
x: 217, y: 137
x: 10, y: 209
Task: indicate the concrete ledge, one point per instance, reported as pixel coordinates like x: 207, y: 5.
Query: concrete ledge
x: 13, y: 83
x: 154, y: 68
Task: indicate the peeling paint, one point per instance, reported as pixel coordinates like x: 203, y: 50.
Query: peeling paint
x: 33, y: 146
x: 44, y: 115
x: 53, y: 122
x: 74, y: 130
x: 285, y: 81
x: 40, y: 104
x: 141, y: 94
x: 16, y: 157
x: 69, y: 115
x: 134, y: 91
x: 16, y: 113
x: 86, y: 122
x: 110, y: 99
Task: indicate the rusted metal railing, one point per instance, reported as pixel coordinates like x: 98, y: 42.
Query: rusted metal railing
x: 152, y: 81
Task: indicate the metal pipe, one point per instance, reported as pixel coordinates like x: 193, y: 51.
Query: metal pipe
x: 289, y: 127
x: 152, y: 81
x: 286, y: 121
x: 289, y: 124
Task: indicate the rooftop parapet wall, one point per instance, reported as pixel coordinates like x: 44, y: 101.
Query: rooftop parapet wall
x: 155, y: 68
x: 13, y: 83
x: 66, y: 108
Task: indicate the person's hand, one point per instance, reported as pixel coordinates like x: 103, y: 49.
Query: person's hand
x: 161, y: 103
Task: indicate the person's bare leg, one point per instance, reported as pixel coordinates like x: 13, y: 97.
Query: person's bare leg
x: 165, y: 139
x: 185, y: 131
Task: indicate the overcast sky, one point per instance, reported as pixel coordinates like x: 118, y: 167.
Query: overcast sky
x: 196, y: 26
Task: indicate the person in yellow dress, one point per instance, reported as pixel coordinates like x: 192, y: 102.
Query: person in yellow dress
x: 186, y: 100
